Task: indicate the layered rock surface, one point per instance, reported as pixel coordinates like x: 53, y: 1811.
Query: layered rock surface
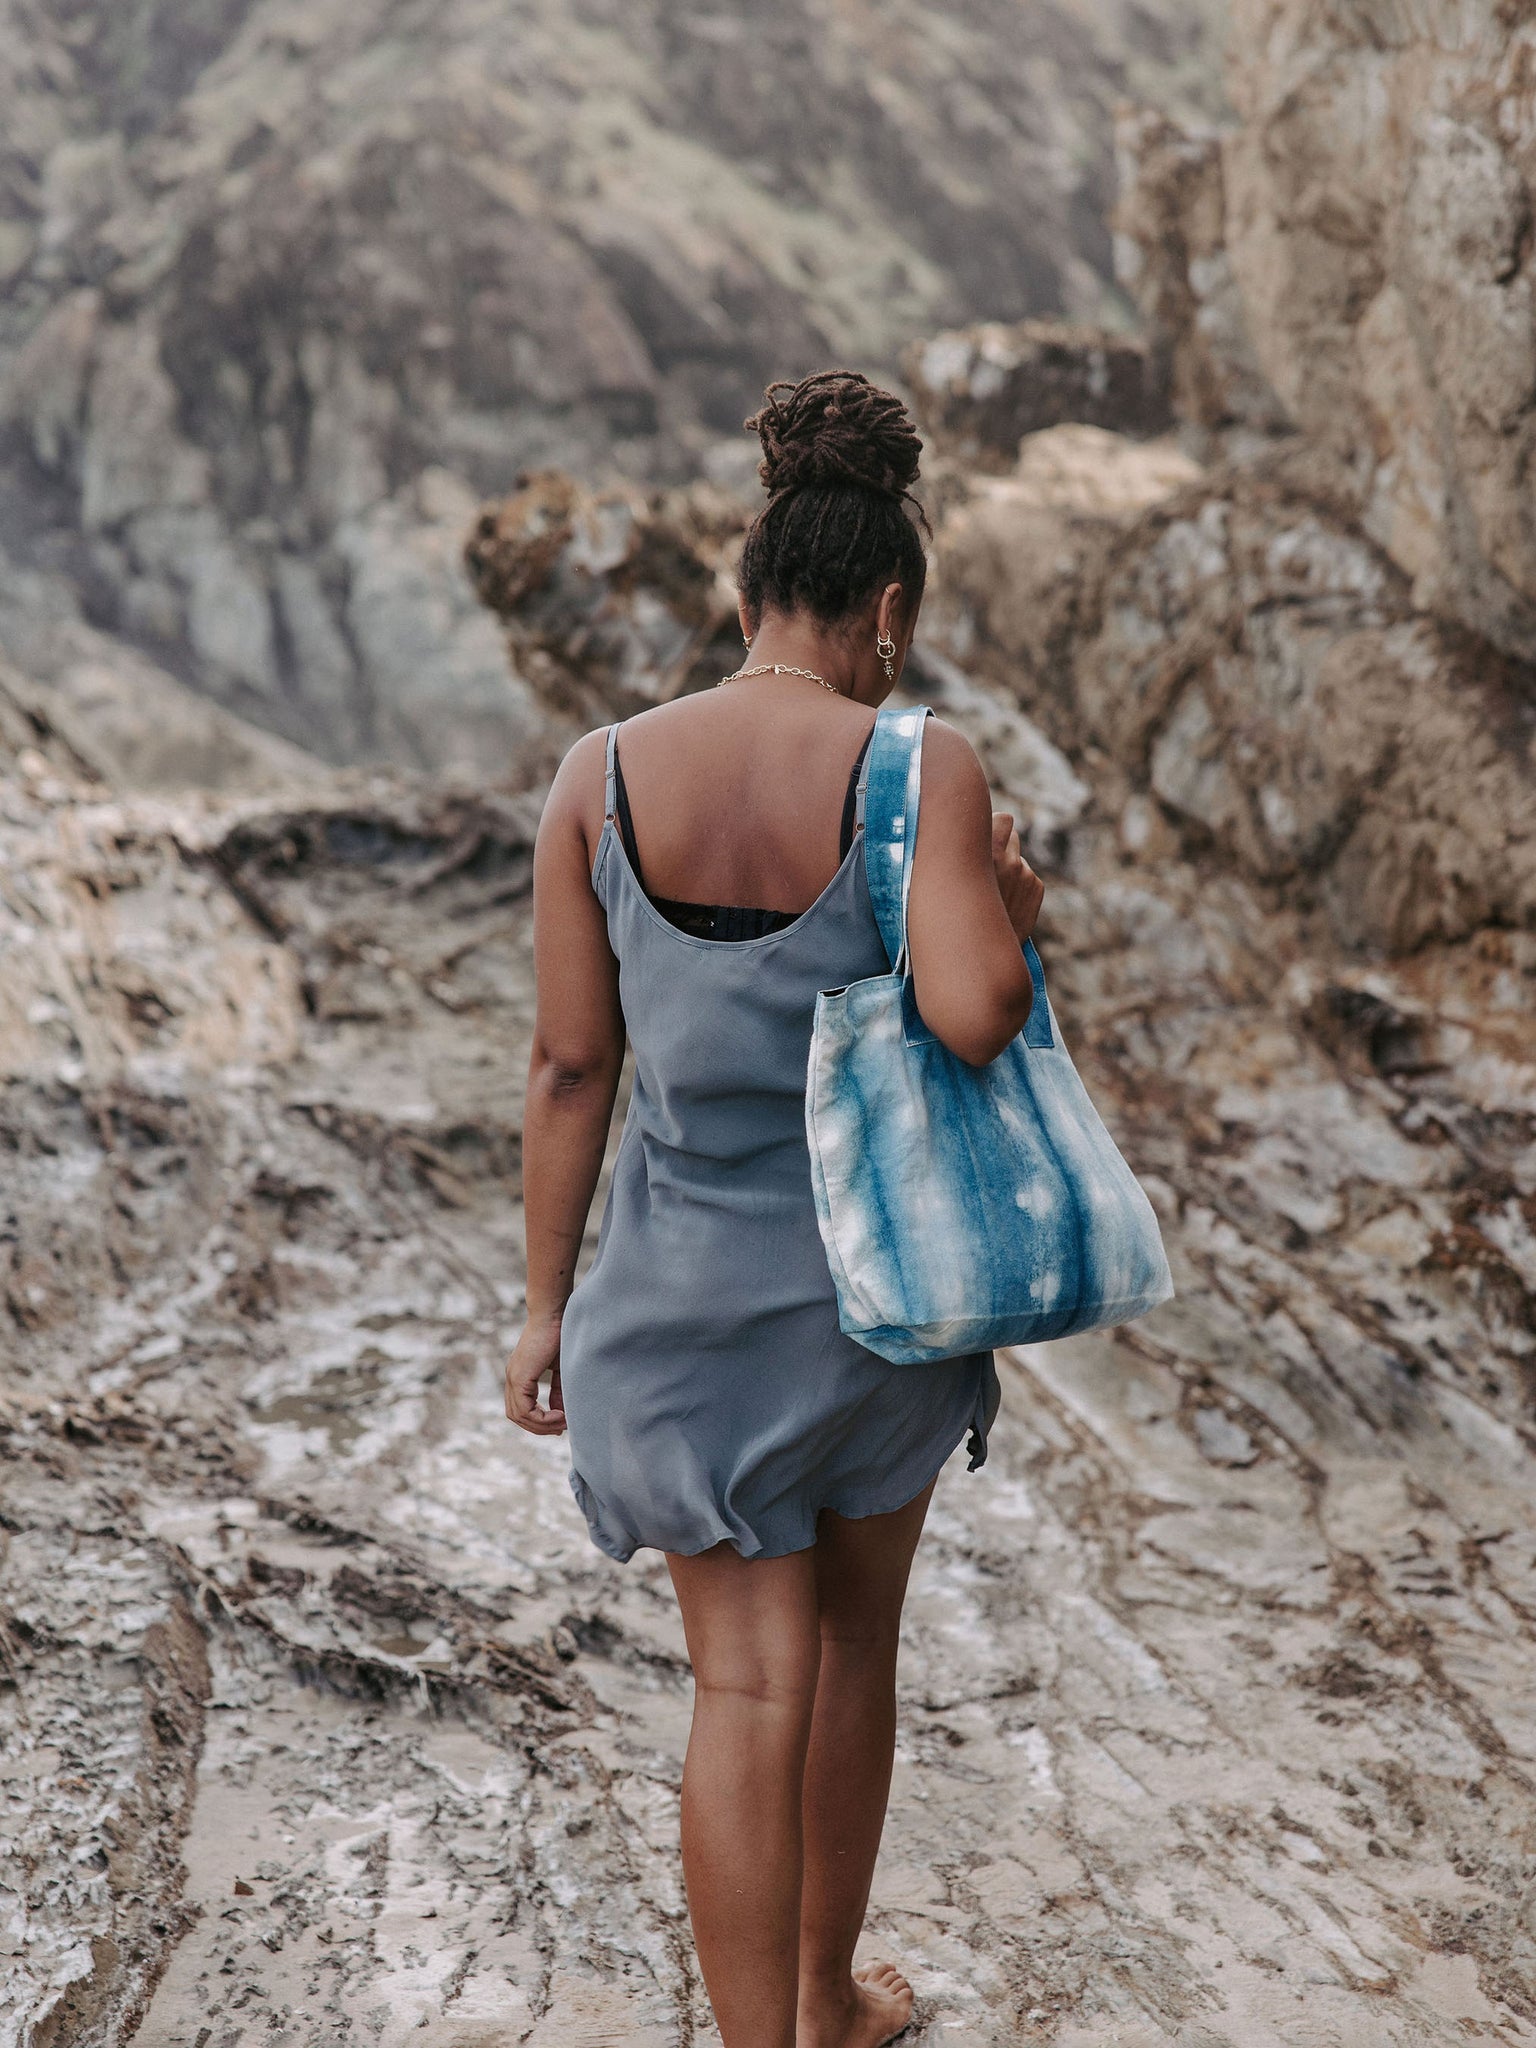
x: 1215, y: 1715
x: 1256, y: 666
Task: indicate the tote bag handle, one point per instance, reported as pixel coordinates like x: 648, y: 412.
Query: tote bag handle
x: 889, y: 793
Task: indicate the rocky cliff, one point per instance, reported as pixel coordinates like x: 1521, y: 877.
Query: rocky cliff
x: 1354, y: 259
x: 285, y: 287
x: 324, y: 1720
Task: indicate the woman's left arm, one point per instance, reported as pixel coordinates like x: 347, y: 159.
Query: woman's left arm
x: 573, y: 1077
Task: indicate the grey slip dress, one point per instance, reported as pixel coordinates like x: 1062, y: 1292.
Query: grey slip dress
x: 709, y: 1392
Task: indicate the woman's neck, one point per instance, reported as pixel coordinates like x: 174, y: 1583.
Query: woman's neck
x: 801, y: 644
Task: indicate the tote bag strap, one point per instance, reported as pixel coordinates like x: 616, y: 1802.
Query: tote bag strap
x: 889, y: 791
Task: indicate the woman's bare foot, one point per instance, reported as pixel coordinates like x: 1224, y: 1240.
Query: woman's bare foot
x: 879, y: 2009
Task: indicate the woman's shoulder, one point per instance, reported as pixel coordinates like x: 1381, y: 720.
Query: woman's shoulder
x: 585, y: 759
x: 576, y: 801
x: 585, y: 765
x: 951, y: 766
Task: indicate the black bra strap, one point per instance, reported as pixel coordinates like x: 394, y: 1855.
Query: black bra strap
x: 626, y: 821
x: 851, y: 801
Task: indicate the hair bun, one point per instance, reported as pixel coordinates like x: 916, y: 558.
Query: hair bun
x: 835, y: 428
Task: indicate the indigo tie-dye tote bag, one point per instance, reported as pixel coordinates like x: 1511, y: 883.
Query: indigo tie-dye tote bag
x: 961, y: 1207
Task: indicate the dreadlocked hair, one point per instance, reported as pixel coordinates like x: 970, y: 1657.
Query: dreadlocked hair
x: 839, y: 459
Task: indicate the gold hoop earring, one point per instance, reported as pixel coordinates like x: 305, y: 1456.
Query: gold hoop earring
x: 885, y: 647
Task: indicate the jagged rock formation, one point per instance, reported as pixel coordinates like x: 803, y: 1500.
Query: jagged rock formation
x: 982, y: 389
x: 1355, y: 258
x: 611, y: 600
x: 1257, y: 667
x: 1171, y: 254
x: 283, y: 290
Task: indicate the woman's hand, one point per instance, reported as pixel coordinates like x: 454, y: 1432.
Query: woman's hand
x: 536, y: 1354
x: 1020, y: 887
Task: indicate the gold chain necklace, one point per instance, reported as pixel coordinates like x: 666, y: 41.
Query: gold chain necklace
x: 779, y: 668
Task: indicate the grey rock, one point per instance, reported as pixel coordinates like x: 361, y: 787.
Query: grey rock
x: 321, y: 655
x: 133, y: 458
x: 43, y: 389
x: 141, y: 730
x: 440, y: 693
x: 269, y: 272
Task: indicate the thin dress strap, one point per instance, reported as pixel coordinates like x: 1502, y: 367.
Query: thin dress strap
x: 610, y: 774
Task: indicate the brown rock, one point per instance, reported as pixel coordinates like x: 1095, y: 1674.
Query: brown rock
x: 1016, y: 554
x: 1259, y: 667
x: 612, y: 600
x: 1171, y: 255
x: 1362, y: 236
x: 982, y: 389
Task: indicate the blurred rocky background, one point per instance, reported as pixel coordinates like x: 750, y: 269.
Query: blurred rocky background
x: 367, y: 387
x: 287, y: 286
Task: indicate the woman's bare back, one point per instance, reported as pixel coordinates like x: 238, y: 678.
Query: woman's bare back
x: 737, y: 794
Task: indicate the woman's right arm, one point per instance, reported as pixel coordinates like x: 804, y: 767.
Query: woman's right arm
x: 973, y: 903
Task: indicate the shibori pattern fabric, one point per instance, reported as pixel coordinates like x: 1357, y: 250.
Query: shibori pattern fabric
x: 961, y: 1207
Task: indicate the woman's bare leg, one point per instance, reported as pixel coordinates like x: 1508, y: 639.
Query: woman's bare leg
x: 754, y: 1642
x: 861, y: 1580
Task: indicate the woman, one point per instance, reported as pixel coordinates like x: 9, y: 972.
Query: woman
x: 698, y: 877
